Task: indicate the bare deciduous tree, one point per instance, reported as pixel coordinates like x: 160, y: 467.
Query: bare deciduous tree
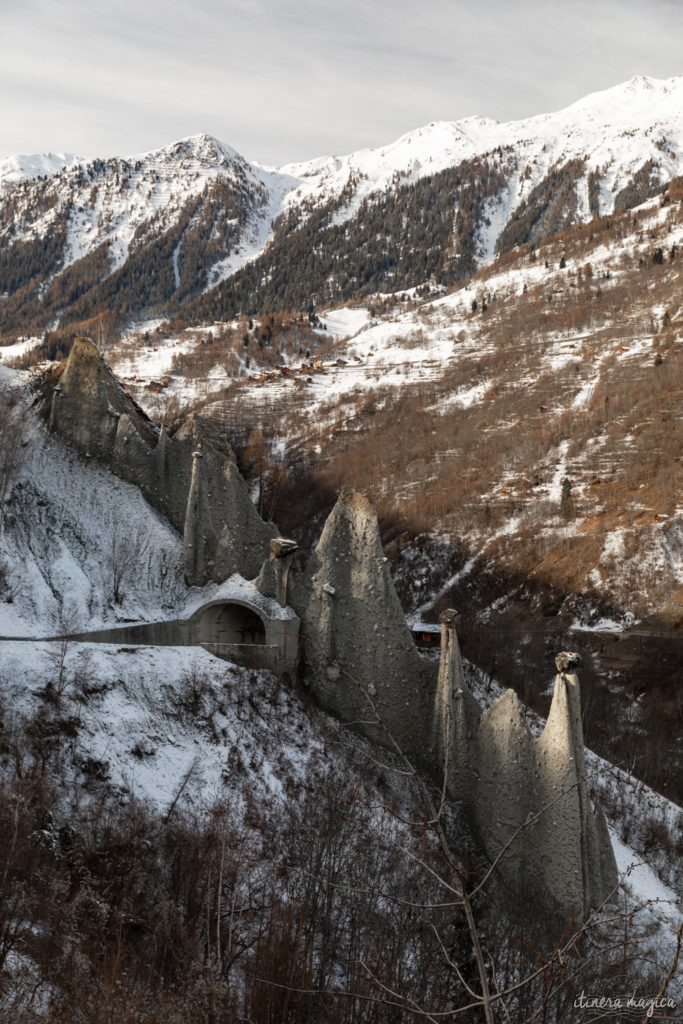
x: 257, y: 459
x: 125, y: 557
x: 529, y: 992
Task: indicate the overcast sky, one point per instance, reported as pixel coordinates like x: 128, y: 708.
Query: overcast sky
x: 284, y: 80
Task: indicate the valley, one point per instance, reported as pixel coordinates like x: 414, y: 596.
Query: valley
x: 440, y: 381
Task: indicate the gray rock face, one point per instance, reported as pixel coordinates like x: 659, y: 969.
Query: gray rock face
x: 272, y: 581
x: 354, y: 636
x: 190, y: 477
x: 456, y: 714
x: 577, y: 837
x: 223, y: 533
x: 88, y: 401
x: 526, y: 798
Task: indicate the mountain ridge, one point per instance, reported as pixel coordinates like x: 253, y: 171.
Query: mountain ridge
x: 638, y: 87
x: 151, y: 234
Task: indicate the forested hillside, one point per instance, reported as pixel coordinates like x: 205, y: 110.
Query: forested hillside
x: 194, y: 230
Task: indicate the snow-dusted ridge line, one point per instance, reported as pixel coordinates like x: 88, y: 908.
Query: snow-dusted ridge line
x: 620, y: 126
x: 26, y: 167
x: 639, y: 99
x: 617, y: 131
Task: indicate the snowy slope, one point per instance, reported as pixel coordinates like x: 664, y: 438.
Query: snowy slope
x: 153, y: 723
x: 22, y: 167
x: 149, y: 189
x: 59, y: 523
x: 65, y: 523
x: 460, y: 360
x: 125, y: 203
x: 617, y: 131
x: 133, y: 717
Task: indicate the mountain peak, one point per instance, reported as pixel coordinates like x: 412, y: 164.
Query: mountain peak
x: 493, y: 167
x: 204, y: 147
x: 639, y: 97
x: 642, y: 82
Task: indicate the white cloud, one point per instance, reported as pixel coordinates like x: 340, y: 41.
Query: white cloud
x: 289, y: 80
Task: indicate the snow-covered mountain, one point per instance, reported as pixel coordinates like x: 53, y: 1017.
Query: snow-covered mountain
x: 74, y: 229
x: 616, y: 132
x: 154, y: 233
x: 24, y: 167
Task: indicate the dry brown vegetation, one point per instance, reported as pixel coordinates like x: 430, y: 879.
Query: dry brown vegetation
x: 243, y: 348
x: 330, y: 909
x: 468, y: 471
x: 488, y: 477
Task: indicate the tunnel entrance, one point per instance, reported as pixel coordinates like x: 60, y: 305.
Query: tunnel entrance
x: 231, y: 624
x: 254, y: 633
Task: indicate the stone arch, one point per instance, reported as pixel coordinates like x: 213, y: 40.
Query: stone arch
x: 232, y: 622
x: 257, y: 633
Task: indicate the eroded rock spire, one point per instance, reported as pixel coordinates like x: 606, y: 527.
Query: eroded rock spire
x: 190, y: 477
